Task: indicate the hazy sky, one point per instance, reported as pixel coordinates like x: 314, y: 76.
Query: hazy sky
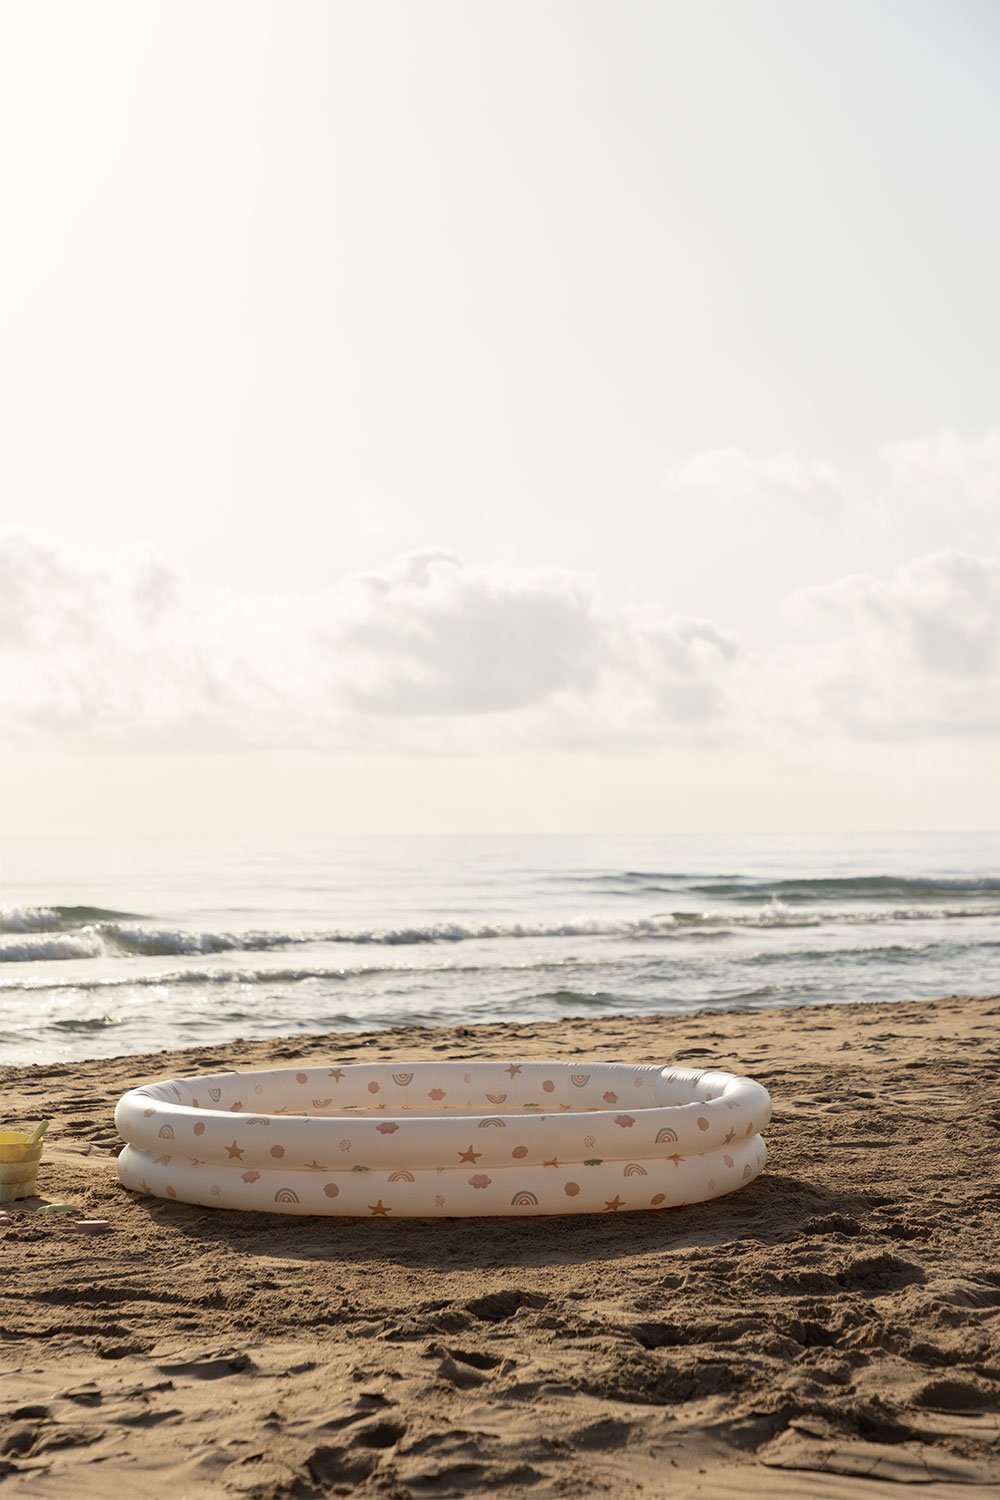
x: 489, y: 414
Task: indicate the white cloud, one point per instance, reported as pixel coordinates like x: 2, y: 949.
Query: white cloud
x: 948, y: 470
x: 427, y: 635
x: 432, y: 656
x: 914, y: 655
x: 733, y: 474
x: 426, y: 653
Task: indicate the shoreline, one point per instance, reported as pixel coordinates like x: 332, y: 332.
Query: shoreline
x: 830, y: 1330
x: 196, y: 1056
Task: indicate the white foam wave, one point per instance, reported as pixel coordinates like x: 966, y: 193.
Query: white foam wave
x: 28, y: 918
x: 51, y: 945
x: 118, y: 940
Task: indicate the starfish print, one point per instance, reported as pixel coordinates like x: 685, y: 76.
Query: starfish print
x: 552, y: 1163
x: 337, y: 1073
x: 615, y: 1204
x: 235, y: 1152
x: 731, y: 1136
x: 514, y: 1068
x: 378, y: 1209
x: 314, y: 1166
x: 676, y: 1159
x: 470, y: 1156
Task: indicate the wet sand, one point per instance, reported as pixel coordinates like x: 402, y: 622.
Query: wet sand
x: 831, y: 1331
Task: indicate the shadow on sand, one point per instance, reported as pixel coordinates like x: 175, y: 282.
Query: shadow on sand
x: 772, y: 1211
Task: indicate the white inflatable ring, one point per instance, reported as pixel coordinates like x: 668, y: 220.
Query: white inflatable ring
x: 415, y: 1140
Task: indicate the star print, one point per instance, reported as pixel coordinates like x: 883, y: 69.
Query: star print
x: 731, y: 1136
x: 378, y: 1209
x: 615, y: 1203
x: 235, y: 1152
x: 676, y: 1159
x: 514, y: 1068
x: 337, y: 1073
x: 552, y: 1163
x: 314, y: 1166
x: 470, y: 1156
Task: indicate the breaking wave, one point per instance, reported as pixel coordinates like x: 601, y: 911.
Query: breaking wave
x: 795, y: 889
x: 114, y: 939
x: 58, y: 918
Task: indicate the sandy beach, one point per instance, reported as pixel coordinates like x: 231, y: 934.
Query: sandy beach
x: 832, y: 1330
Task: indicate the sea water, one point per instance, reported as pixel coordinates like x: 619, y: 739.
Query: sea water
x: 111, y: 946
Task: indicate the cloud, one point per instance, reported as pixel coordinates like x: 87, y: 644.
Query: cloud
x: 733, y: 474
x: 948, y: 470
x: 426, y: 654
x: 914, y: 655
x: 427, y: 635
x: 430, y: 655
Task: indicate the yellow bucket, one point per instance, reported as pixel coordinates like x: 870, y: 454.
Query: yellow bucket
x: 19, y: 1158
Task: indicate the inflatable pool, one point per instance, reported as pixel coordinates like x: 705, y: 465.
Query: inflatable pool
x: 414, y: 1140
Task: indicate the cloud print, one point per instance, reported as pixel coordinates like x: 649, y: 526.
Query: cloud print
x: 417, y: 654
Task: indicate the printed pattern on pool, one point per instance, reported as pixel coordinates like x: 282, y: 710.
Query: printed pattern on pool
x: 437, y: 1139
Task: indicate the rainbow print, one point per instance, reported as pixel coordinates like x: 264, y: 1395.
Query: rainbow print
x: 402, y: 1079
x: 634, y: 1169
x: 286, y: 1195
x: 666, y: 1135
x: 402, y: 1176
x: 524, y: 1200
x: 166, y: 1132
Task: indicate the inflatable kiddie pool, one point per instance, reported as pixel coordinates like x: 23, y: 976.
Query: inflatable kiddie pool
x: 414, y: 1140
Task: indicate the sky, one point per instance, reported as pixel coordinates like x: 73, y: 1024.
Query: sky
x: 542, y: 415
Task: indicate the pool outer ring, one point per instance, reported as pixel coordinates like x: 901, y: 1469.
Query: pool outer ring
x: 626, y: 1169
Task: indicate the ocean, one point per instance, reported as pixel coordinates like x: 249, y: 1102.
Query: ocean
x: 115, y: 946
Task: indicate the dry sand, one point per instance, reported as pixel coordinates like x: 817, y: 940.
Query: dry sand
x: 832, y: 1331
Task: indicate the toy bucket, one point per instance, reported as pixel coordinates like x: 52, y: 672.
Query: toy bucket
x: 19, y: 1158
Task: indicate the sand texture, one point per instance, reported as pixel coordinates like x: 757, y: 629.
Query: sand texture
x: 831, y: 1331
